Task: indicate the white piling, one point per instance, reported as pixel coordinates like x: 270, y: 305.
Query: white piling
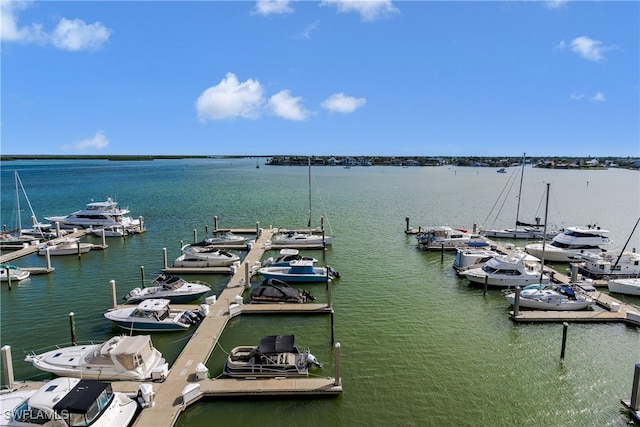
x: 195, y: 236
x: 104, y: 238
x: 336, y: 381
x: 114, y: 301
x: 164, y: 257
x: 246, y: 272
x: 72, y: 326
x: 635, y: 389
x: 7, y: 366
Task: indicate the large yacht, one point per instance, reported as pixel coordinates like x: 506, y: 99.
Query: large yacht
x: 96, y: 215
x: 572, y: 242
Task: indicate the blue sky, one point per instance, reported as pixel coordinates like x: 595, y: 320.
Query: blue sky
x: 401, y: 78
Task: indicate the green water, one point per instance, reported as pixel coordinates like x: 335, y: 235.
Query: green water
x: 418, y: 345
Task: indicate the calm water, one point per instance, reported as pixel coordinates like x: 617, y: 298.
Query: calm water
x: 419, y: 346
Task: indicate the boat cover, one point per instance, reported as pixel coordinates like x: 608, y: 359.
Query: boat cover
x: 82, y: 396
x: 277, y: 344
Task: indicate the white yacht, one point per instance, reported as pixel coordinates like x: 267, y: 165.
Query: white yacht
x: 295, y: 239
x: 467, y: 258
x: 130, y: 358
x: 445, y: 237
x: 629, y: 286
x: 547, y: 297
x: 12, y: 272
x: 571, y: 242
x: 96, y: 215
x: 609, y: 264
x: 68, y: 402
x: 507, y: 271
x: 205, y: 256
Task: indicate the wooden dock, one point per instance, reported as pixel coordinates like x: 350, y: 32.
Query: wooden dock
x: 183, y: 386
x: 31, y: 249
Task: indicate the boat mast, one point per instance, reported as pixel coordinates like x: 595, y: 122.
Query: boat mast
x: 309, y: 222
x: 515, y: 230
x: 544, y: 233
x: 625, y: 245
x: 18, y: 203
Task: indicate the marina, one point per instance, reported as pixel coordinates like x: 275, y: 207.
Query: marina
x: 421, y: 299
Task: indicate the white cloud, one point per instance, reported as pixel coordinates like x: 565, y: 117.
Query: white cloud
x: 272, y: 7
x: 599, y: 97
x: 341, y: 103
x: 72, y: 35
x: 306, y: 33
x: 369, y: 10
x: 230, y: 99
x: 575, y: 96
x: 97, y: 142
x: 588, y: 48
x: 555, y: 4
x: 75, y: 35
x: 288, y: 107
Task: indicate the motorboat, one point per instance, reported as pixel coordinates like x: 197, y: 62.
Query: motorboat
x: 174, y: 288
x: 205, y: 256
x: 272, y: 291
x: 572, y: 242
x: 127, y: 358
x: 223, y: 238
x: 275, y: 356
x: 467, y: 258
x: 12, y: 272
x: 302, y: 271
x: 68, y: 402
x: 502, y: 170
x: 286, y: 256
x: 293, y: 238
x: 117, y: 230
x: 506, y: 271
x: 609, y: 264
x: 153, y: 315
x: 96, y: 215
x: 630, y: 286
x: 448, y: 238
x: 548, y: 297
x: 527, y: 232
x: 66, y: 246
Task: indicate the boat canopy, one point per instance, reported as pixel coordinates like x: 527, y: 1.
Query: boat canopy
x: 277, y: 344
x: 133, y: 351
x: 83, y: 396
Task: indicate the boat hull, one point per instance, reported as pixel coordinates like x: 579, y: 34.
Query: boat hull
x: 624, y: 286
x: 544, y: 305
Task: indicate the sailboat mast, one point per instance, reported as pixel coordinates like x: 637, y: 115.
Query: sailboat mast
x: 544, y: 233
x: 309, y: 222
x: 519, y: 194
x: 18, y: 202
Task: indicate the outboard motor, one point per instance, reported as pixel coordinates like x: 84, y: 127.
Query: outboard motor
x: 333, y: 273
x: 133, y: 293
x: 311, y: 360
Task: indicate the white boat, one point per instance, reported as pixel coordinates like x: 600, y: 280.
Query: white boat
x: 174, y: 288
x: 117, y: 230
x: 295, y: 238
x: 126, y: 358
x: 223, y: 238
x: 556, y: 298
x: 467, y: 258
x: 573, y: 241
x: 66, y: 246
x: 302, y: 271
x: 205, y: 256
x: 445, y: 237
x: 96, y: 215
x: 68, y: 402
x: 507, y: 271
x: 152, y: 315
x: 275, y: 356
x: 286, y: 256
x: 609, y: 264
x: 630, y: 286
x: 12, y: 272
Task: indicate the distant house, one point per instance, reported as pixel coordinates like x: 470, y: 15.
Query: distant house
x: 592, y: 162
x: 411, y: 162
x: 365, y: 162
x: 350, y: 161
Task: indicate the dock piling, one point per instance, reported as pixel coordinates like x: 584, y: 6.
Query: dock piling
x: 7, y: 366
x: 114, y: 302
x: 635, y: 389
x: 406, y: 227
x: 164, y: 256
x: 142, y: 275
x: 72, y: 326
x: 516, y: 305
x: 8, y: 277
x: 486, y: 284
x: 195, y: 236
x: 215, y: 223
x: 336, y: 381
x: 565, y: 326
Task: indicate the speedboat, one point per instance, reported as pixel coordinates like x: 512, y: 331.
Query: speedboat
x: 294, y: 239
x: 128, y: 358
x: 153, y: 315
x: 302, y: 271
x: 276, y: 356
x: 273, y: 291
x: 467, y: 258
x: 12, y: 272
x: 609, y: 264
x: 286, y: 256
x: 573, y: 241
x: 222, y: 238
x: 174, y: 288
x: 532, y: 232
x: 68, y: 402
x: 507, y: 271
x: 96, y: 214
x: 630, y: 286
x: 546, y: 297
x: 204, y: 256
x: 445, y: 237
x: 66, y: 246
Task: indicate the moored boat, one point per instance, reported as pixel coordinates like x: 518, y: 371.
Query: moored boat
x: 286, y: 256
x: 548, y: 297
x: 505, y: 271
x: 272, y: 291
x: 467, y: 258
x: 630, y: 286
x: 153, y: 315
x: 66, y: 246
x: 96, y: 214
x: 302, y: 271
x: 275, y: 356
x: 572, y: 242
x: 445, y: 237
x: 173, y: 288
x: 205, y: 256
x: 609, y: 264
x: 12, y: 272
x: 130, y: 358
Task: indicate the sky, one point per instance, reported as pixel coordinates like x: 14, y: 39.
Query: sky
x: 331, y: 78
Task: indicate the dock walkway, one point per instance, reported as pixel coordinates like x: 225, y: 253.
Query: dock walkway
x: 31, y: 249
x: 169, y: 400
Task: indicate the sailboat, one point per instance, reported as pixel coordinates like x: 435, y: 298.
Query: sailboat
x: 309, y: 238
x: 20, y: 236
x: 522, y: 230
x: 546, y: 296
